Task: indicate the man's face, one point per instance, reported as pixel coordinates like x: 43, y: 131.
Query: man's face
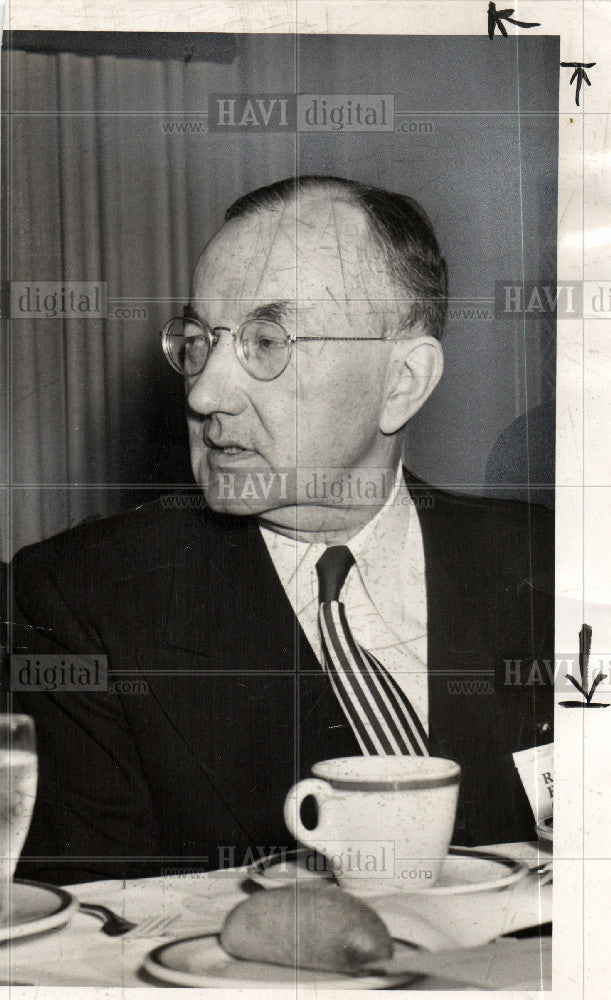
x: 316, y: 272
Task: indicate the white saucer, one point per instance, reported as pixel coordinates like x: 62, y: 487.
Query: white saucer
x: 465, y: 870
x: 545, y: 830
x: 35, y: 908
x: 200, y: 961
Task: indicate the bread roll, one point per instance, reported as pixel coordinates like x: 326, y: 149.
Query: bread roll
x: 309, y: 927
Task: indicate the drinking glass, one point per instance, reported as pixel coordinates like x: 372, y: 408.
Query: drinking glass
x: 18, y: 777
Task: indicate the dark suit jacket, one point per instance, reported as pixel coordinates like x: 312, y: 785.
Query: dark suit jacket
x: 193, y: 773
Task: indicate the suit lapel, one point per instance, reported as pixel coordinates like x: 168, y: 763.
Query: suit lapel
x: 228, y: 611
x: 226, y: 601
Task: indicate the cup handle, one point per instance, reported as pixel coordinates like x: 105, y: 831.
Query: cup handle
x: 292, y: 807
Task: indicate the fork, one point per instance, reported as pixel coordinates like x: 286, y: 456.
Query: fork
x: 116, y: 926
x: 544, y: 871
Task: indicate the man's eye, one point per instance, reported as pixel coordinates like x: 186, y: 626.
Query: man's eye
x: 194, y: 346
x: 268, y: 343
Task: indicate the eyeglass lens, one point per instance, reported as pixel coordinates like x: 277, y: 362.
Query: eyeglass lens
x: 263, y: 347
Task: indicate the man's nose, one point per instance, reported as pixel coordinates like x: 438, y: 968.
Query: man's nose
x: 216, y: 388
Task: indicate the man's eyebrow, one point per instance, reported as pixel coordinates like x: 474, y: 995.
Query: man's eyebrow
x: 276, y: 311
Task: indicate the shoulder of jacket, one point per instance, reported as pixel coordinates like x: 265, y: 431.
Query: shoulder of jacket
x: 135, y: 540
x: 516, y: 512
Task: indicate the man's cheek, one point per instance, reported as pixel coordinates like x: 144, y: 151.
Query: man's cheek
x: 193, y: 435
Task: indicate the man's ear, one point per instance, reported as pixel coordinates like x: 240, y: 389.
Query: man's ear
x: 414, y: 370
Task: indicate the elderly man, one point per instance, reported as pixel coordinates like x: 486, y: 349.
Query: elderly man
x: 321, y: 601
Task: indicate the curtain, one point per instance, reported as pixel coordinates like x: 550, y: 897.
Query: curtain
x: 99, y: 192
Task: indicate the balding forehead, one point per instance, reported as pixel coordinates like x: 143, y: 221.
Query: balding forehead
x: 318, y: 248
x: 318, y: 221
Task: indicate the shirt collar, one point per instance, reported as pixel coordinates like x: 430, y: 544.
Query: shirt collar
x: 386, y: 526
x: 379, y: 548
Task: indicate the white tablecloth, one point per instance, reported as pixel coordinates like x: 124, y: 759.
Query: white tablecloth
x: 80, y: 955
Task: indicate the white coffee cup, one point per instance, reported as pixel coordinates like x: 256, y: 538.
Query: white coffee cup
x: 384, y: 823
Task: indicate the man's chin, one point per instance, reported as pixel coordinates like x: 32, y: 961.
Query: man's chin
x: 239, y: 508
x: 244, y: 492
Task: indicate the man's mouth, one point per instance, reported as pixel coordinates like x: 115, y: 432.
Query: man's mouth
x: 228, y: 449
x: 223, y: 445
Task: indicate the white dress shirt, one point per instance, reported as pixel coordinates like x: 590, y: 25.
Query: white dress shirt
x: 384, y: 593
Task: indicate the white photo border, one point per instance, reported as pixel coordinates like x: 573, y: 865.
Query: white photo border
x: 582, y: 869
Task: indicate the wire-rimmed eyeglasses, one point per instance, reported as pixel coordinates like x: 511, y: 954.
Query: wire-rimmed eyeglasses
x: 262, y: 346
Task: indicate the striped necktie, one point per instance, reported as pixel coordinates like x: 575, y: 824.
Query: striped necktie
x: 380, y: 713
